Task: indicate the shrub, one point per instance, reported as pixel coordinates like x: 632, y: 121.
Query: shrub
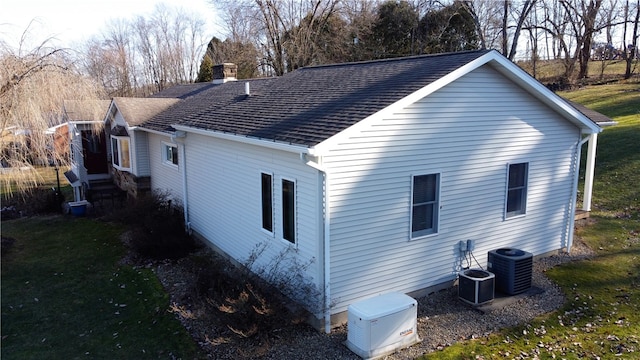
x: 31, y: 202
x: 157, y: 227
x: 247, y: 304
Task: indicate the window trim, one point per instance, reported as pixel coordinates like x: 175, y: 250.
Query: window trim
x: 421, y: 234
x: 118, y: 152
x: 293, y: 241
x: 272, y: 205
x: 523, y: 210
x: 165, y: 160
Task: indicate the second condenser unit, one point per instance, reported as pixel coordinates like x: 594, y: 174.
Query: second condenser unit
x: 513, y: 269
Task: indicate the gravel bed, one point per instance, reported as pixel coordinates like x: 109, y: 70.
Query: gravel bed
x: 442, y: 319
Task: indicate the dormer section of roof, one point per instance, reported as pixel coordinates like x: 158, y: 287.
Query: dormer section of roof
x: 225, y: 72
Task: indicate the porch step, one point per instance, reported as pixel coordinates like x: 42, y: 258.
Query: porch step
x: 581, y: 214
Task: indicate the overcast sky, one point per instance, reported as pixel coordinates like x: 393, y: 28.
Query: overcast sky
x: 74, y: 21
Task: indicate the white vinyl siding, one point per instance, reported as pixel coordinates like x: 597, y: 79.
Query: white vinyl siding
x: 164, y: 178
x: 225, y: 206
x: 141, y: 158
x: 466, y: 132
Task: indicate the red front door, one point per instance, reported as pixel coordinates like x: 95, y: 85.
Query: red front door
x: 94, y: 152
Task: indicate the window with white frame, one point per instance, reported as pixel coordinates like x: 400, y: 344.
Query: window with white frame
x: 517, y: 189
x: 424, y: 205
x: 120, y: 152
x: 170, y: 154
x: 267, y: 201
x: 289, y: 210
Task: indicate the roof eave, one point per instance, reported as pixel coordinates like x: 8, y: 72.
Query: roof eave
x: 267, y: 143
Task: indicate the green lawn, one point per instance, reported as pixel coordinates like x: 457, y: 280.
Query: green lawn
x: 601, y: 318
x: 64, y: 296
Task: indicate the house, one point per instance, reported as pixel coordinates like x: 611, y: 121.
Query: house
x: 128, y: 146
x: 358, y: 179
x: 366, y: 176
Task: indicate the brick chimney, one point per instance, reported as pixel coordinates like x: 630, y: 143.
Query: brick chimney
x: 224, y: 72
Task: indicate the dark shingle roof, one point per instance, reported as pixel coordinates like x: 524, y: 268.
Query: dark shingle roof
x: 309, y: 105
x: 593, y: 115
x: 182, y: 91
x: 85, y: 110
x: 138, y: 110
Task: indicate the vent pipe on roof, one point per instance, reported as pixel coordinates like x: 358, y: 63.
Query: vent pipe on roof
x: 247, y: 91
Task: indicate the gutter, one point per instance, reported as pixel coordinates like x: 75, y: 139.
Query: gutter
x: 270, y: 144
x: 574, y: 194
x: 326, y: 242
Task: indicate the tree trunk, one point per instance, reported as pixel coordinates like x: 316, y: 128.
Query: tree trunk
x: 634, y: 43
x: 505, y: 17
x: 589, y: 26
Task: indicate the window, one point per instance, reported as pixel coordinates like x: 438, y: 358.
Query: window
x: 267, y: 202
x: 289, y: 210
x: 517, y: 189
x: 170, y: 154
x: 120, y: 152
x: 424, y: 207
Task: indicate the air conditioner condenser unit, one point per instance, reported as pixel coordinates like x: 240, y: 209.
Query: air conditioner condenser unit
x: 513, y: 269
x: 381, y: 325
x: 476, y: 286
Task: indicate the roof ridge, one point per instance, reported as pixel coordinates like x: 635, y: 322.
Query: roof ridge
x: 398, y: 58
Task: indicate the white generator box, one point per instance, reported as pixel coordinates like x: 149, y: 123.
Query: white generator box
x: 381, y: 325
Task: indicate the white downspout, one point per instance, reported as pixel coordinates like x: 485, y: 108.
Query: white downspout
x: 326, y: 243
x: 589, y: 172
x: 178, y: 137
x: 185, y: 197
x: 574, y: 195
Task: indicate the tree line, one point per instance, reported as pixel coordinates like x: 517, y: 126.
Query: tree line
x: 142, y: 55
x: 272, y: 37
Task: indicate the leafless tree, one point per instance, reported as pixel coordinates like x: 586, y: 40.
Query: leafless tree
x: 284, y: 31
x: 630, y: 50
x: 580, y: 18
x: 521, y: 15
x: 34, y: 80
x: 110, y: 59
x: 146, y: 54
x: 486, y: 16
